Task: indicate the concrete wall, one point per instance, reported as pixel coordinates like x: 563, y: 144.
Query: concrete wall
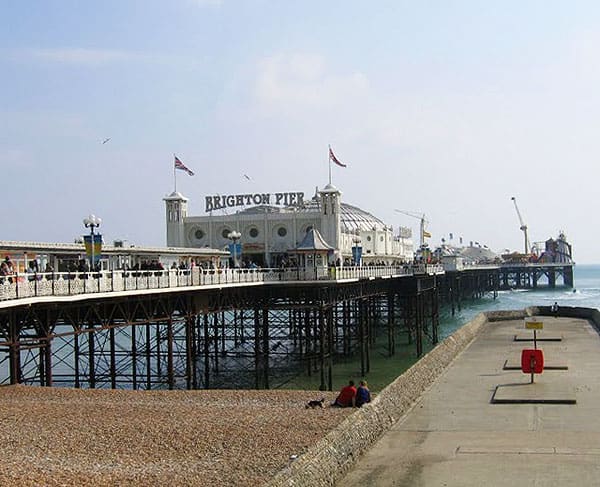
x: 326, y: 462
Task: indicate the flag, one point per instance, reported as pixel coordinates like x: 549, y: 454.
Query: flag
x: 182, y: 166
x: 426, y: 234
x: 335, y: 159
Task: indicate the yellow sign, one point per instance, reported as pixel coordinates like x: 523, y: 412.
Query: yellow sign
x: 534, y: 324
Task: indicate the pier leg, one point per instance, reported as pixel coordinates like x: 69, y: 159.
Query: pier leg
x: 568, y: 276
x: 170, y: 369
x: 419, y: 323
x: 134, y: 383
x: 435, y: 316
x: 322, y: 348
x: 390, y: 325
x: 206, y: 353
x: 362, y: 339
x: 76, y: 359
x: 330, y: 346
x: 190, y: 363
x: 113, y: 360
x: 148, y: 356
x: 265, y: 354
x: 256, y: 348
x: 92, y: 360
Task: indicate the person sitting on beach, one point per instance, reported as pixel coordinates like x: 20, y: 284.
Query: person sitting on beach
x: 347, y: 396
x: 363, y: 395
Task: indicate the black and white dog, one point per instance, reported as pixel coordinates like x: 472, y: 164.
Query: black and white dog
x: 315, y: 403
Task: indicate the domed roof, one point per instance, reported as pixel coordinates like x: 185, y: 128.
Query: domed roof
x: 330, y: 188
x: 352, y: 218
x: 175, y: 196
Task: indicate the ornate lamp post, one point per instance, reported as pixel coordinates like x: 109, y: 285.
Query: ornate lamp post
x: 234, y: 236
x: 91, y: 222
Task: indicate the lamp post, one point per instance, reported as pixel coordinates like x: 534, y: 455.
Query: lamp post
x: 91, y: 222
x: 234, y: 236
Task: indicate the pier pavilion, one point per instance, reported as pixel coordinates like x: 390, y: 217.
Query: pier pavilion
x: 272, y: 224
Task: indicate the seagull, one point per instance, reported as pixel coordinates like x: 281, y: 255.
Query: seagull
x: 105, y: 140
x: 247, y: 177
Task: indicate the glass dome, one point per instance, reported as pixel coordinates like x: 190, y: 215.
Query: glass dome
x: 352, y: 218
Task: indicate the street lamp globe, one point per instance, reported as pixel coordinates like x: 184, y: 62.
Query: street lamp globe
x: 92, y: 221
x: 234, y: 236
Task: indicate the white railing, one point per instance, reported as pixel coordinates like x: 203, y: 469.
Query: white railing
x: 18, y: 286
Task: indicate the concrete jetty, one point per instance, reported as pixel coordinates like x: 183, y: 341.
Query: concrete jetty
x: 547, y: 433
x: 466, y: 415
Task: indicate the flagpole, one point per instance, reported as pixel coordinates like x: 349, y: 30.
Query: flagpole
x: 329, y: 157
x: 174, y: 172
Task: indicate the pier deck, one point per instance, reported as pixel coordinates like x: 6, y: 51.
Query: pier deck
x: 456, y: 436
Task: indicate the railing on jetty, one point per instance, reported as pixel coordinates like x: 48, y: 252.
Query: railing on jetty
x: 30, y: 285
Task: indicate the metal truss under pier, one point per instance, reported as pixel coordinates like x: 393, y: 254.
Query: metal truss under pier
x: 236, y: 336
x: 473, y: 283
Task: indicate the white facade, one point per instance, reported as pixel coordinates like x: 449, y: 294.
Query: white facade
x: 268, y: 232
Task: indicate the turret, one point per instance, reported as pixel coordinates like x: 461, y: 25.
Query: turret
x: 330, y: 216
x: 176, y: 211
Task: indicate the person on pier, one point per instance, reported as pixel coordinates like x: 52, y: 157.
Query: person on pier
x: 363, y: 395
x: 347, y: 396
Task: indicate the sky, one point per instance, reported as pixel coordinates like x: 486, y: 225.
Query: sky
x: 442, y: 108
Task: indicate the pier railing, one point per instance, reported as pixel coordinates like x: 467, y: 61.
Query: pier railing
x: 29, y: 285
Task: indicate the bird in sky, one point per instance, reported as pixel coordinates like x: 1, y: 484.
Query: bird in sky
x: 105, y: 141
x: 247, y: 177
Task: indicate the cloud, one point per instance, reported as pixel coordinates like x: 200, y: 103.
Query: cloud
x: 305, y: 80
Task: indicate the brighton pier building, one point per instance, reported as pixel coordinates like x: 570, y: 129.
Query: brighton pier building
x: 266, y: 228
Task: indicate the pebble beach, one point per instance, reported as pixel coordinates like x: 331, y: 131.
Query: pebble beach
x: 56, y: 436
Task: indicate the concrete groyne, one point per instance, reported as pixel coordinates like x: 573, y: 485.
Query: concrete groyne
x: 327, y: 462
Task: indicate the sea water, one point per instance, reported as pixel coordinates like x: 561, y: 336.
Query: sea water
x: 585, y: 293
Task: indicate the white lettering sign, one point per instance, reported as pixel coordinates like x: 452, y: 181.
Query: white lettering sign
x: 218, y: 202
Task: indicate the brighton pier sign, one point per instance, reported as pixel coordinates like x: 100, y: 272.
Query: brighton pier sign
x: 218, y: 202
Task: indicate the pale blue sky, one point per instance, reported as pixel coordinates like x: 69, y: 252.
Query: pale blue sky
x: 447, y: 108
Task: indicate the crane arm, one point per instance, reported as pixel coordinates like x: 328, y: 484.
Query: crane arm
x: 421, y: 218
x: 514, y: 200
x: 523, y: 225
x: 418, y: 216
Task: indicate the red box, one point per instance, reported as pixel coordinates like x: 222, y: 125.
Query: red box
x: 532, y: 361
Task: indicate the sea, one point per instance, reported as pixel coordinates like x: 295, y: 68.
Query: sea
x: 585, y: 293
x: 383, y: 369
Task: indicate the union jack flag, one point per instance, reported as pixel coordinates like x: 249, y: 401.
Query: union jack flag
x: 182, y: 166
x: 335, y: 159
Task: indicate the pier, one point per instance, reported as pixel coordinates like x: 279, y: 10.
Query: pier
x: 249, y: 328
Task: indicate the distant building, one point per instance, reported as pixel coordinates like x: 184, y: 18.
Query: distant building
x: 62, y: 257
x: 272, y: 225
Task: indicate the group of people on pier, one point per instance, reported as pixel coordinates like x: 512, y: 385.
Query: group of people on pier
x: 6, y: 269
